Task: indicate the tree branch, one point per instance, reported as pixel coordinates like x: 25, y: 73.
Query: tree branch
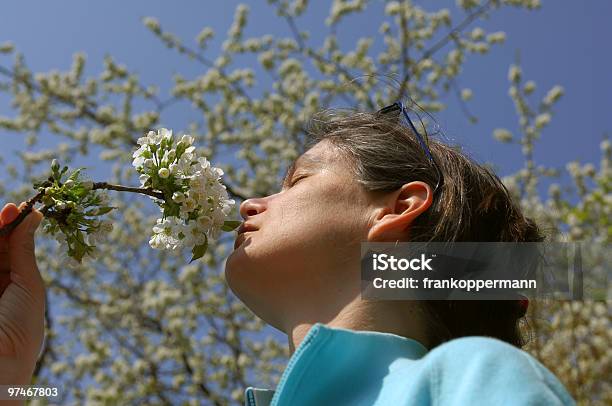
x: 309, y: 52
x: 451, y: 35
x: 404, y: 50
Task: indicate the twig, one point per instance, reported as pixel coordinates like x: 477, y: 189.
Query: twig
x: 7, y: 228
x: 120, y: 188
x: 404, y: 48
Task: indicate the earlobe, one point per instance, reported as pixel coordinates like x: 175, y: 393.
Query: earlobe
x: 402, y: 206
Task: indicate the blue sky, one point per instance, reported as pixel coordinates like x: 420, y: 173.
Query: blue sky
x: 562, y: 43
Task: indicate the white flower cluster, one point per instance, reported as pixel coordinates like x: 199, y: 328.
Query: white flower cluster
x: 196, y: 203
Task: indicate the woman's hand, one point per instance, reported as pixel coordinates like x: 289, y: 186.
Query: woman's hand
x: 22, y: 299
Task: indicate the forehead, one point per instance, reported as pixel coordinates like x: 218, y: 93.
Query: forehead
x: 319, y: 156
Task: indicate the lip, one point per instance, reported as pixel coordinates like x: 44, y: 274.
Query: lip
x: 240, y: 239
x: 245, y: 227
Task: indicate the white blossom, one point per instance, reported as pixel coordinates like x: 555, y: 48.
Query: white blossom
x: 542, y: 120
x: 466, y: 94
x: 202, y: 199
x: 553, y: 95
x: 529, y: 87
x: 514, y: 73
x: 503, y: 135
x: 163, y: 173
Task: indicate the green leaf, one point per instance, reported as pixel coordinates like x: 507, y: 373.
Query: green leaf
x: 230, y: 225
x: 81, y: 247
x: 99, y: 211
x: 74, y: 175
x: 104, y: 210
x: 172, y: 209
x: 199, y: 250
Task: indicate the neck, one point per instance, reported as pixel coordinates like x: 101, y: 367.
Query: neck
x: 400, y: 318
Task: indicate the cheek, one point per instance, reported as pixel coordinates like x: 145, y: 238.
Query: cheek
x: 302, y: 238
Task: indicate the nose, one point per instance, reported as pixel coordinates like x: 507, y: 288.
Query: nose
x: 251, y: 207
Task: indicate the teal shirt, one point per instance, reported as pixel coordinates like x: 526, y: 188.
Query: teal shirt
x: 334, y: 366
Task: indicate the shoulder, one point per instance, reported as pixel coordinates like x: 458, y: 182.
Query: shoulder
x: 479, y: 351
x: 481, y: 369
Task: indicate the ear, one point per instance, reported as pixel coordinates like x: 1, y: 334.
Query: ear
x: 400, y: 208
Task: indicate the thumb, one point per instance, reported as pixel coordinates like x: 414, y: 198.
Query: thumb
x: 21, y: 249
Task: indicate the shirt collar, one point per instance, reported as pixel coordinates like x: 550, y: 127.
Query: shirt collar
x: 328, y: 357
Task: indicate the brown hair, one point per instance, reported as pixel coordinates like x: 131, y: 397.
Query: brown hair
x: 472, y: 204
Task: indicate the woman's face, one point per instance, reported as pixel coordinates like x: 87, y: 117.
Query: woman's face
x: 304, y: 251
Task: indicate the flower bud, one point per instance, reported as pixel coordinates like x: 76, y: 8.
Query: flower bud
x: 171, y: 155
x: 54, y: 165
x: 87, y: 184
x: 47, y: 200
x: 514, y: 74
x: 466, y: 94
x: 178, y: 197
x: 163, y: 173
x: 529, y: 87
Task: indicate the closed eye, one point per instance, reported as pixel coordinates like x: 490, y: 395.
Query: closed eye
x: 297, y: 180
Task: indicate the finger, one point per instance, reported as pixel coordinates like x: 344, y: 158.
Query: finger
x: 8, y: 213
x: 24, y: 270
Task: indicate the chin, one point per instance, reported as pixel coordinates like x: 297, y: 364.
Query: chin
x: 240, y: 273
x: 250, y: 291
x: 232, y: 269
x: 260, y: 283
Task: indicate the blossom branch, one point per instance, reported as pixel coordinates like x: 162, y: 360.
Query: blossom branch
x: 188, y: 190
x: 7, y: 228
x: 450, y: 36
x: 120, y: 188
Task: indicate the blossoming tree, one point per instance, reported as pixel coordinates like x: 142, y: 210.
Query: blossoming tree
x: 138, y: 325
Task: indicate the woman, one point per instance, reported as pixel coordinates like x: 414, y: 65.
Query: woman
x: 296, y: 264
x: 366, y: 177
